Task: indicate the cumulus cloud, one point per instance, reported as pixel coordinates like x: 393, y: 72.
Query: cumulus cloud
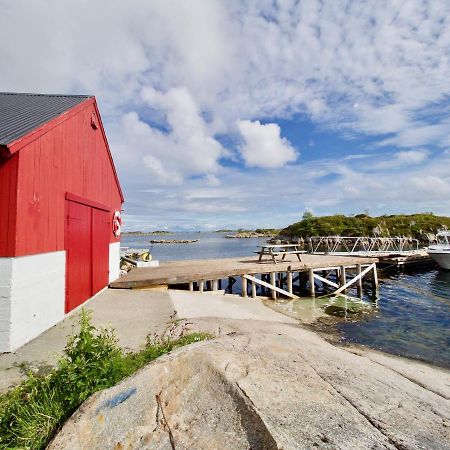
x: 263, y: 145
x: 181, y: 146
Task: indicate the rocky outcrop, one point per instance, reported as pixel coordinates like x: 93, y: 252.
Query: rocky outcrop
x: 173, y: 241
x: 268, y: 386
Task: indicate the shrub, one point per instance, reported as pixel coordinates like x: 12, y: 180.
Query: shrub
x: 414, y: 225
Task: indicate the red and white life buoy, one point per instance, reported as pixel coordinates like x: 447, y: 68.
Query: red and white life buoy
x: 117, y: 224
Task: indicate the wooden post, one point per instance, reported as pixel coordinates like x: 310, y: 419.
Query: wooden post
x: 272, y: 282
x: 312, y: 287
x: 253, y: 289
x: 230, y: 285
x: 289, y: 282
x: 343, y: 276
x: 220, y: 284
x: 201, y: 286
x: 375, y: 279
x: 244, y: 286
x: 359, y: 282
x: 191, y: 286
x: 215, y: 285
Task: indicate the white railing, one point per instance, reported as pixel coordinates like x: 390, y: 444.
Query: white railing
x: 338, y: 244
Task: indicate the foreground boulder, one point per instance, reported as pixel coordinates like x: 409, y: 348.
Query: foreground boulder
x: 272, y: 386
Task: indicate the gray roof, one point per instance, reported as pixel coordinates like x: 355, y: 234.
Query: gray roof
x: 22, y: 113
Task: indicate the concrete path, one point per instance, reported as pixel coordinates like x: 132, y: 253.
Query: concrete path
x: 132, y: 314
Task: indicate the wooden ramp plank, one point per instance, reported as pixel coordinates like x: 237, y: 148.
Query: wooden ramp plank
x: 270, y: 286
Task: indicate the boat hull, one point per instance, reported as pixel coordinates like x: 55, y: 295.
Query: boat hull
x: 441, y: 258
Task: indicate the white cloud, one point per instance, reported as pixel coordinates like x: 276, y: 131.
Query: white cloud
x: 263, y: 146
x: 173, y: 77
x: 181, y: 147
x: 398, y: 160
x: 412, y: 156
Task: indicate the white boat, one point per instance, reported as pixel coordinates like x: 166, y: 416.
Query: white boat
x: 441, y: 251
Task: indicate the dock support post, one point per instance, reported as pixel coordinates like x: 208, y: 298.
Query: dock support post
x: 215, y: 285
x: 272, y: 282
x: 244, y: 286
x: 343, y: 277
x: 301, y: 281
x: 253, y: 289
x: 191, y: 286
x: 359, y: 282
x: 375, y: 279
x: 220, y: 284
x: 312, y: 287
x: 289, y: 282
x: 201, y: 286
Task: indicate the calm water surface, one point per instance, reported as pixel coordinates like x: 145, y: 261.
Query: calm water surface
x: 411, y: 316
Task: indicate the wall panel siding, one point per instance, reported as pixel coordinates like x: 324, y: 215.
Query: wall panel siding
x: 8, y: 203
x: 37, y: 295
x: 71, y: 157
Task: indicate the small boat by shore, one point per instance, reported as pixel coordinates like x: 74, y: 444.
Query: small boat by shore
x: 441, y: 251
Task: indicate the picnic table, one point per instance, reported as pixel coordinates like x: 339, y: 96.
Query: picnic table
x: 276, y: 250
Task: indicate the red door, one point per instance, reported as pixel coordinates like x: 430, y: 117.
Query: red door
x: 87, y: 252
x: 100, y: 249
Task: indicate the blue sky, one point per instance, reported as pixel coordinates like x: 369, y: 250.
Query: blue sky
x: 246, y: 114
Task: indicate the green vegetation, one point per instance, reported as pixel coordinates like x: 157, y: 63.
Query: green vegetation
x: 414, y: 225
x: 32, y: 413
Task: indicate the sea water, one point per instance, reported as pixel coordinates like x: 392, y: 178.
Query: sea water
x: 410, y: 317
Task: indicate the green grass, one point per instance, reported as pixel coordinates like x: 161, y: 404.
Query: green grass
x: 413, y: 225
x: 34, y: 411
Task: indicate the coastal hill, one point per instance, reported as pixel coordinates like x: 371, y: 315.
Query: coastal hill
x: 414, y: 225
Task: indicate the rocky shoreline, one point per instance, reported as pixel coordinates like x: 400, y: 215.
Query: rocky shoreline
x: 265, y: 382
x: 248, y: 235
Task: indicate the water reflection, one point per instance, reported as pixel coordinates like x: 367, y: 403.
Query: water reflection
x: 410, y: 316
x: 308, y: 310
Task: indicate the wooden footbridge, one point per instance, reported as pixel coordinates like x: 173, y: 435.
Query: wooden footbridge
x: 289, y: 277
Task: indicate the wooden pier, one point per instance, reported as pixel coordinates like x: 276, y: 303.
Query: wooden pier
x: 336, y: 273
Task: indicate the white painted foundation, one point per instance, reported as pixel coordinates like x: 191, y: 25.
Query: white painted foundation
x: 114, y: 261
x: 32, y: 296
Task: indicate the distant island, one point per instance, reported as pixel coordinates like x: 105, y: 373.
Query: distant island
x: 258, y: 233
x: 418, y: 226
x: 147, y: 233
x: 173, y: 241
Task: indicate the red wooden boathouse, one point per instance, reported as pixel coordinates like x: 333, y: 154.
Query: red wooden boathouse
x: 60, y: 203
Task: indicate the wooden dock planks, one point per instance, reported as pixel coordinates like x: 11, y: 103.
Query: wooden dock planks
x: 187, y: 271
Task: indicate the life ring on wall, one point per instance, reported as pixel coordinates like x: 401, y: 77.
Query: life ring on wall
x: 117, y: 224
